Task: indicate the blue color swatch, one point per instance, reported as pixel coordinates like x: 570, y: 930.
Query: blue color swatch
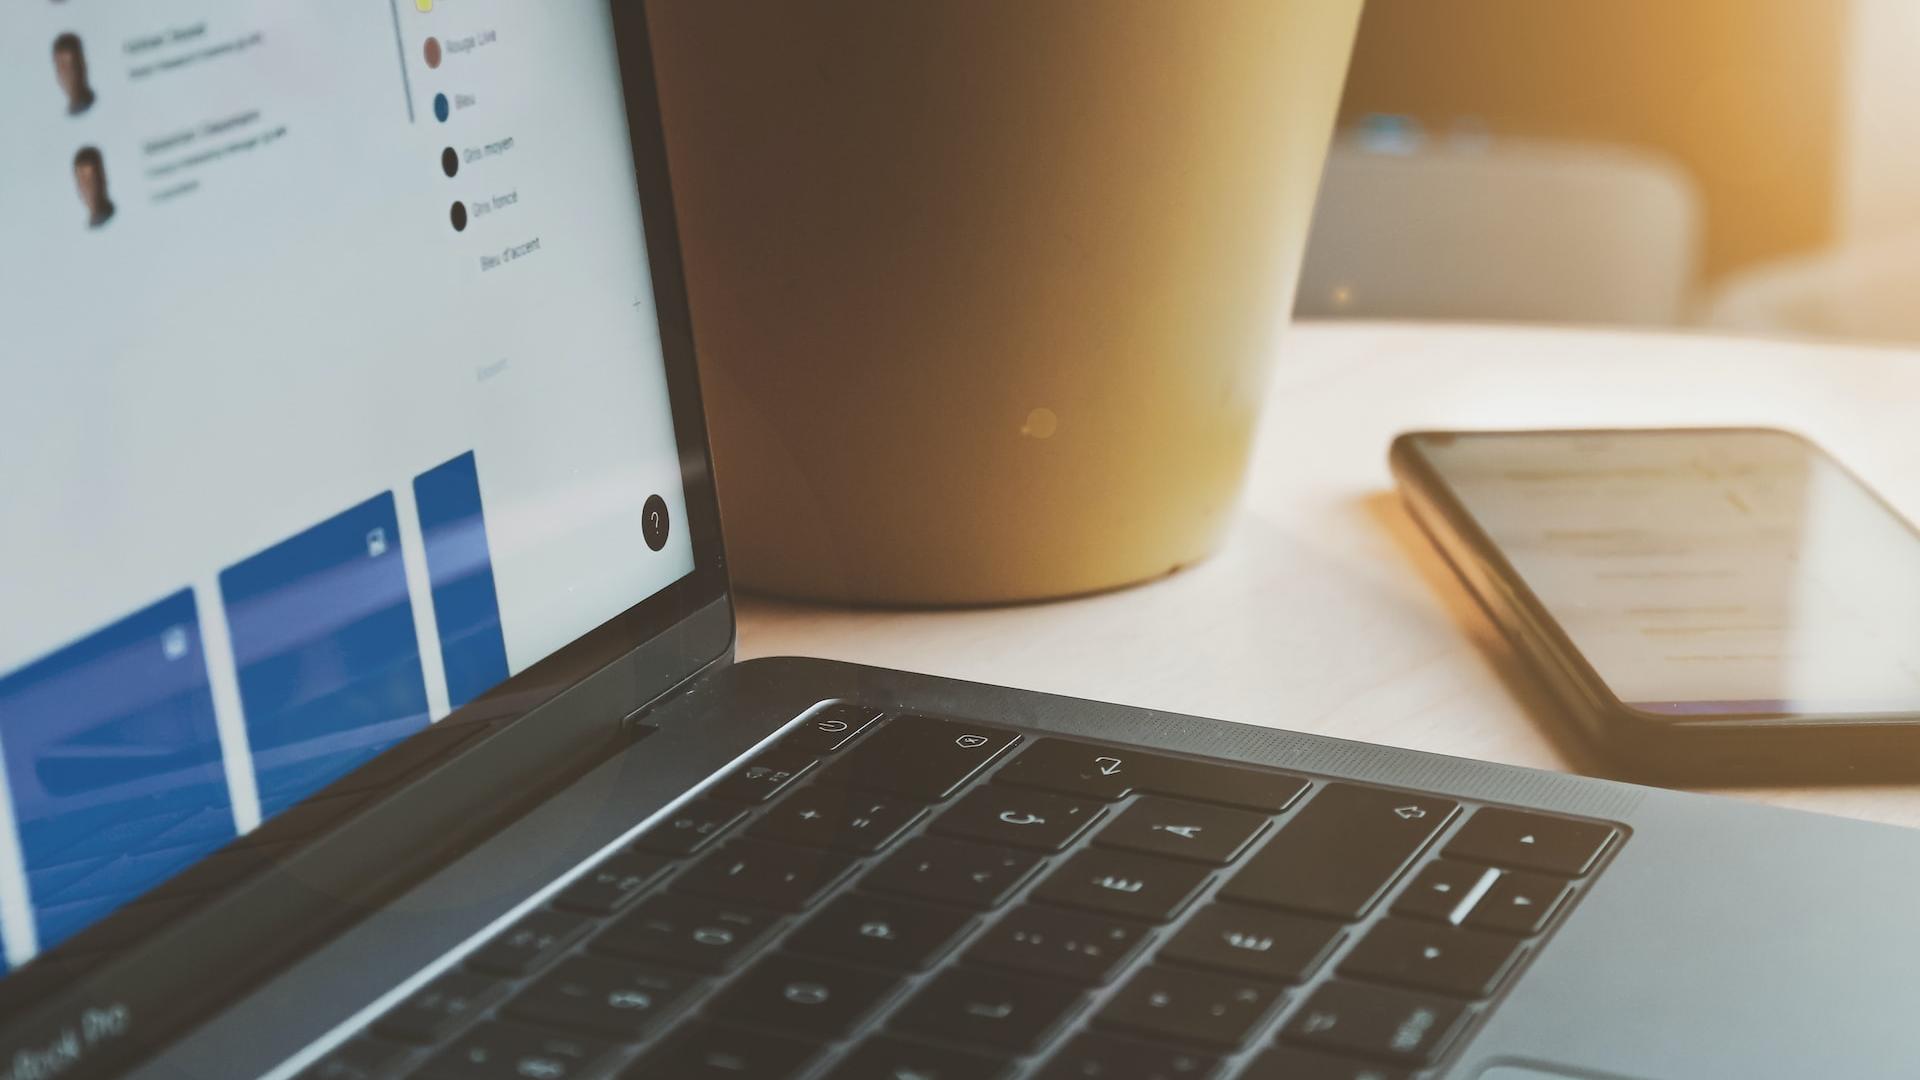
x: 113, y: 760
x: 328, y: 659
x: 460, y: 568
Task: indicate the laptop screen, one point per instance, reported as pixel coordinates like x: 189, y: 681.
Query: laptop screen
x: 333, y: 396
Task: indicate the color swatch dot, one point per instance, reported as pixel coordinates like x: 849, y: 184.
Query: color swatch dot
x: 459, y: 216
x: 432, y: 51
x: 442, y: 108
x: 450, y: 161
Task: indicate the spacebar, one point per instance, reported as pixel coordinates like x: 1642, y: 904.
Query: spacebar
x: 1341, y: 852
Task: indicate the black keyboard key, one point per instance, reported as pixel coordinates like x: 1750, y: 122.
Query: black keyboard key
x: 1290, y: 1063
x: 1341, y: 851
x: 495, y: 1051
x: 921, y: 757
x: 830, y: 729
x: 707, y: 1051
x: 530, y: 944
x: 1553, y: 845
x: 1427, y: 956
x: 1104, y: 1057
x: 845, y: 818
x: 1190, y: 1006
x: 1124, y: 884
x: 687, y: 932
x: 766, y: 875
x: 889, y: 1057
x: 1018, y: 817
x: 1251, y: 789
x: 1251, y: 941
x: 619, y: 1001
x: 360, y: 1059
x: 953, y: 872
x: 691, y: 827
x: 1519, y: 903
x: 438, y: 1009
x: 1373, y: 1021
x: 1081, y: 948
x: 814, y: 998
x: 881, y: 932
x: 613, y: 884
x: 1111, y: 772
x: 988, y: 1009
x: 1074, y: 768
x: 1183, y: 830
x: 1441, y: 888
x: 763, y: 777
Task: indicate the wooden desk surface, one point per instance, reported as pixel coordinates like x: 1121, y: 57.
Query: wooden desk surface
x: 1326, y: 610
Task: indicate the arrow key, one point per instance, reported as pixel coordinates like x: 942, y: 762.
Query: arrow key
x: 1519, y: 903
x: 1428, y: 957
x: 1183, y: 830
x: 1556, y: 845
x: 1438, y: 890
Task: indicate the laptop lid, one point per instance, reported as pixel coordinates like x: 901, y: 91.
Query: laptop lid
x: 349, y: 403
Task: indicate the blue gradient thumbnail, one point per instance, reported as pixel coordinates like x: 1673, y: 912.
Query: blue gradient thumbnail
x: 460, y: 568
x: 328, y: 658
x: 113, y: 760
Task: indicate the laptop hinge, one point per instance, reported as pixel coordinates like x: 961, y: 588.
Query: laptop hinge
x: 647, y: 716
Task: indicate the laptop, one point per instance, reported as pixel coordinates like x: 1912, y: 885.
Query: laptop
x: 367, y: 703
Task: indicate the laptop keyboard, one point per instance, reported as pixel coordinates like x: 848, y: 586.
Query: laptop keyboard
x: 916, y: 898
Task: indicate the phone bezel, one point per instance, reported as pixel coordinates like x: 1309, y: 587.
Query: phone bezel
x: 1727, y: 745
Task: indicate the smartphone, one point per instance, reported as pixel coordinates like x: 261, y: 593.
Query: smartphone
x: 1711, y: 605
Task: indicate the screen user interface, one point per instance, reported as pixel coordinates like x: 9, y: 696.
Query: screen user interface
x: 334, y: 397
x: 1704, y: 574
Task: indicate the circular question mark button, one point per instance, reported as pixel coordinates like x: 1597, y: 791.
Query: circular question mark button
x: 654, y: 522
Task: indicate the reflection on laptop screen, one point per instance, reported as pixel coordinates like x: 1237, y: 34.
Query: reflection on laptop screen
x: 334, y: 397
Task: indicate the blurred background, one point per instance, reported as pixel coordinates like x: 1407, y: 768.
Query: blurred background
x: 1750, y: 166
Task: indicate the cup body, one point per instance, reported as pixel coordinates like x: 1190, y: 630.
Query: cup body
x: 985, y: 291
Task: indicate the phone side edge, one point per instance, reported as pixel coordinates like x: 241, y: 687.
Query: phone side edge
x: 1606, y: 728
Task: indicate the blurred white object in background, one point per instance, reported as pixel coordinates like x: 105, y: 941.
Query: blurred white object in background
x: 1864, y: 291
x: 1475, y: 227
x: 1867, y: 285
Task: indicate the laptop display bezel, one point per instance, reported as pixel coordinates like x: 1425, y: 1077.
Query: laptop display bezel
x: 616, y: 668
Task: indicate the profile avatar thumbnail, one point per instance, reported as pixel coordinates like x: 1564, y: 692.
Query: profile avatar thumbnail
x: 90, y: 178
x: 70, y: 68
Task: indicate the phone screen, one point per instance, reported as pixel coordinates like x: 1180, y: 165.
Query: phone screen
x: 1704, y: 573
